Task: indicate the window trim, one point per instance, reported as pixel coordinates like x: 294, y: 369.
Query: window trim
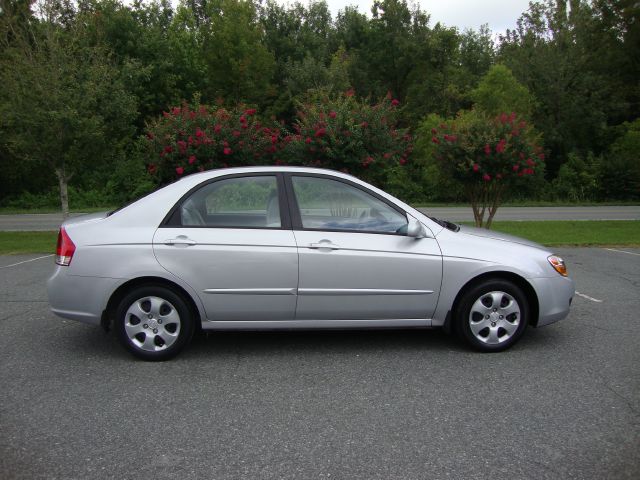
x: 285, y: 217
x: 296, y: 217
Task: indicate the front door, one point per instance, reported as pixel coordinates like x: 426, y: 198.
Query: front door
x: 231, y: 241
x: 356, y: 262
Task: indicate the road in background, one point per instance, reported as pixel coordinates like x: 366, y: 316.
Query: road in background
x: 51, y: 221
x: 563, y: 403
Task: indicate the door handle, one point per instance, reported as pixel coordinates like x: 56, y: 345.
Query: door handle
x: 324, y: 245
x: 180, y: 240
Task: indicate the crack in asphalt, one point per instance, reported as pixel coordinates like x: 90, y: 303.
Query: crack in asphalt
x: 621, y: 397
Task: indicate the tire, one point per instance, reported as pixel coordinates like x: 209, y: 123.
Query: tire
x: 154, y: 322
x: 492, y: 315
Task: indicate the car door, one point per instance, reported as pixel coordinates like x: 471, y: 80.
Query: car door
x: 355, y: 262
x: 230, y: 239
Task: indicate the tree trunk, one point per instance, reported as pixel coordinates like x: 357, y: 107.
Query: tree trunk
x: 473, y: 198
x: 64, y: 194
x: 495, y: 204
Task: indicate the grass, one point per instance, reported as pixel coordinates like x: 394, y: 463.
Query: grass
x: 579, y: 233
x: 27, y: 242
x: 552, y: 233
x: 529, y: 203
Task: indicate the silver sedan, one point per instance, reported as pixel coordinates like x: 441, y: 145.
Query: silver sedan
x: 269, y: 248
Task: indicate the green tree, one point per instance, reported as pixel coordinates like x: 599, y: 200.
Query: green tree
x: 239, y: 66
x: 565, y: 57
x: 62, y: 103
x: 499, y: 91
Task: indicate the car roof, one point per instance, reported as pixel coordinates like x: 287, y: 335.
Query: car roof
x: 272, y: 168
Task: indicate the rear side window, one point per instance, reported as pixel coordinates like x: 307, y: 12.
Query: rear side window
x: 242, y: 202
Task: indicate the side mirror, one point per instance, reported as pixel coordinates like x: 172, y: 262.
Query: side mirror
x: 415, y: 229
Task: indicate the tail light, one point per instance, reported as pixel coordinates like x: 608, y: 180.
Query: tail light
x: 65, y: 248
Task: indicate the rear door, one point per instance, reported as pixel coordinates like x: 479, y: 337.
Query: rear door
x: 230, y: 239
x: 356, y: 261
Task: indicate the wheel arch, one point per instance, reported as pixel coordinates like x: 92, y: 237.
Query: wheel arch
x: 519, y: 281
x: 119, y: 293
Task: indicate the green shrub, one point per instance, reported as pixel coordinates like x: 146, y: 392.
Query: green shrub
x: 620, y: 169
x: 577, y: 179
x: 189, y: 139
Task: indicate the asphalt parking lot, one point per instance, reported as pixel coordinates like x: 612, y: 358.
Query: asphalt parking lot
x: 563, y: 403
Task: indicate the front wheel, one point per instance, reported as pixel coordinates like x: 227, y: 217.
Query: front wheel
x: 492, y: 316
x: 154, y: 323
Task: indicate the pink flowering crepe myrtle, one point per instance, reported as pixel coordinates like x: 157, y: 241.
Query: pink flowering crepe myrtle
x: 488, y: 156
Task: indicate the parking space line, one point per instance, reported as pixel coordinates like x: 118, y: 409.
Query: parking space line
x: 589, y: 298
x: 622, y: 251
x: 27, y: 261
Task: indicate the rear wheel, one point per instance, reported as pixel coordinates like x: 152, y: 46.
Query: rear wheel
x: 492, y: 316
x: 154, y: 322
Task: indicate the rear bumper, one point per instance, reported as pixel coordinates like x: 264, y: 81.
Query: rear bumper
x: 554, y: 298
x: 77, y: 297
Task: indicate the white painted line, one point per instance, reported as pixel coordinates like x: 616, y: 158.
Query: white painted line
x: 27, y: 261
x: 589, y: 298
x: 622, y: 251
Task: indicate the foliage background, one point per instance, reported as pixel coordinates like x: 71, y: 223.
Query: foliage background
x: 107, y: 71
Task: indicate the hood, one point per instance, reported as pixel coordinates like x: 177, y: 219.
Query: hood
x: 505, y: 237
x: 84, y: 218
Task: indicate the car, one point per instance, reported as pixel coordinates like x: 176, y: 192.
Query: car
x: 287, y: 248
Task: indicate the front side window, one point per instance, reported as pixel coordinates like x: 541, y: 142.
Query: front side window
x: 245, y: 202
x: 327, y: 204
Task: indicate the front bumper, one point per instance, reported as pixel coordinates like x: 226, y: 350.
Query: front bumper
x: 554, y: 298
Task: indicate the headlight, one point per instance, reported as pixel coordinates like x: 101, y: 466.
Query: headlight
x: 558, y: 265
